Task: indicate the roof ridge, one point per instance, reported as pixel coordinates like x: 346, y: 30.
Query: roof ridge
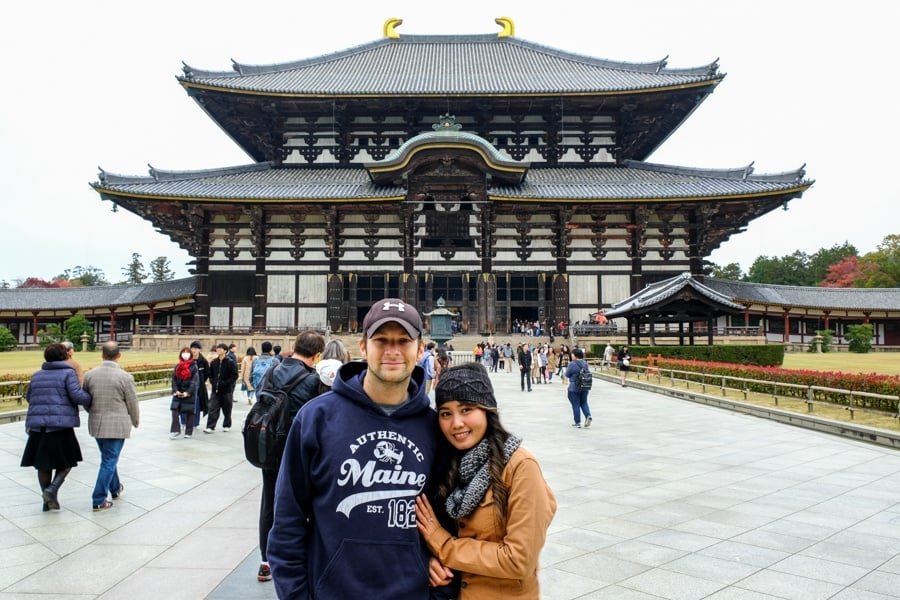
x: 737, y: 173
x: 658, y: 66
x: 167, y: 175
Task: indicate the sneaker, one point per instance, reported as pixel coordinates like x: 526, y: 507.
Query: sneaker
x: 187, y: 436
x: 105, y: 505
x: 174, y: 435
x: 226, y: 428
x: 208, y: 430
x: 264, y: 573
x: 587, y: 421
x: 119, y: 492
x: 578, y: 425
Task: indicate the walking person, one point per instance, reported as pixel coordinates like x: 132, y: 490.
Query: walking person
x: 578, y: 395
x: 223, y: 375
x: 247, y: 374
x: 185, y: 381
x: 552, y: 363
x: 53, y: 396
x: 565, y: 357
x: 113, y: 412
x: 524, y: 360
x: 201, y: 404
x: 297, y: 376
x: 494, y: 491
x: 70, y: 359
x: 355, y: 459
x: 508, y: 357
x: 623, y: 362
x: 608, y: 354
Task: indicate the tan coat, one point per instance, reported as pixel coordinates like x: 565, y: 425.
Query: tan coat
x: 499, y: 563
x: 114, y: 409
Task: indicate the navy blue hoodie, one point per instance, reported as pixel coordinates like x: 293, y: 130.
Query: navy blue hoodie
x: 345, y: 523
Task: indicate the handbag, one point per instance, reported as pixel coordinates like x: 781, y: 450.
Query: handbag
x: 626, y: 361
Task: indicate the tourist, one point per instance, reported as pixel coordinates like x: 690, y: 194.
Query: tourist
x: 578, y: 397
x: 201, y: 405
x: 524, y: 360
x: 53, y: 396
x: 299, y: 368
x: 70, y: 358
x: 247, y: 373
x: 608, y: 354
x: 355, y: 459
x: 494, y: 491
x: 222, y: 376
x: 334, y: 356
x: 113, y: 412
x: 565, y: 357
x: 552, y: 363
x: 623, y: 362
x: 185, y: 382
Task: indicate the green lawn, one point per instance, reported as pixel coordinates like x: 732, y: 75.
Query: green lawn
x: 887, y: 363
x: 25, y: 363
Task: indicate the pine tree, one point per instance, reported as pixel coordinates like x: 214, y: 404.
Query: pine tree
x: 134, y: 271
x: 160, y: 271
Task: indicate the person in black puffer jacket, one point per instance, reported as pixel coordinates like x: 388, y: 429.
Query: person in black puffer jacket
x: 185, y: 381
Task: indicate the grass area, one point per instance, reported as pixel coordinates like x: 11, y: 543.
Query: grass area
x: 26, y: 363
x: 886, y: 363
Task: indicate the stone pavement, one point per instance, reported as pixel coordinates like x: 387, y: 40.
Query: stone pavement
x: 660, y: 498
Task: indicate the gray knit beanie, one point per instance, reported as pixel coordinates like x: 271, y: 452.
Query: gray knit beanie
x: 468, y: 382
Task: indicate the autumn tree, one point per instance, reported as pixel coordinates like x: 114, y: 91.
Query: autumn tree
x: 822, y: 260
x: 160, y: 271
x: 84, y: 276
x: 842, y: 274
x: 37, y: 282
x: 881, y: 268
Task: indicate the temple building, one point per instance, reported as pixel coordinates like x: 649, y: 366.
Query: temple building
x: 508, y: 178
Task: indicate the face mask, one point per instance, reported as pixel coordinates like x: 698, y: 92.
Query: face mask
x: 185, y: 355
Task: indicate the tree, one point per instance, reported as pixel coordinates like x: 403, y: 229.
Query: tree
x: 731, y: 271
x: 134, y: 271
x: 859, y: 337
x: 48, y: 336
x: 787, y: 270
x: 4, y: 285
x: 7, y: 340
x: 88, y: 276
x: 820, y: 261
x: 160, y: 271
x: 881, y: 268
x: 842, y: 274
x: 37, y: 282
x: 75, y: 326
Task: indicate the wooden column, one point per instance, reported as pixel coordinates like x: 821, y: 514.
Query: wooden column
x: 787, y: 325
x: 198, y: 221
x: 112, y: 324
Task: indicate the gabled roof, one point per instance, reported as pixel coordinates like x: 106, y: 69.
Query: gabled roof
x: 450, y: 64
x: 460, y: 65
x: 96, y: 296
x: 657, y: 294
x: 864, y: 299
x: 634, y: 182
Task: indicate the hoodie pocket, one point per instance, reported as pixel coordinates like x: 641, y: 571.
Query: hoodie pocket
x: 396, y: 569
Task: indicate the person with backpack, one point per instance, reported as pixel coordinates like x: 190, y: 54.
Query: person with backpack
x: 355, y: 460
x: 283, y: 390
x: 623, y: 362
x: 580, y: 381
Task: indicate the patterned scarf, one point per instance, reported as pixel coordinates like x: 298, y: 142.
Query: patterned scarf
x: 475, y: 477
x: 183, y: 369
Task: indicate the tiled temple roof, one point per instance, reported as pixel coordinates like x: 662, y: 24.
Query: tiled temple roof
x: 634, y: 181
x: 662, y: 290
x: 875, y: 299
x: 96, y: 296
x: 462, y: 65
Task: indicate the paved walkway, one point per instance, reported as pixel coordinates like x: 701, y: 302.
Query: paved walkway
x: 661, y: 498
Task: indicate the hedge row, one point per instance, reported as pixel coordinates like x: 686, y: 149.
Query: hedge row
x: 764, y: 355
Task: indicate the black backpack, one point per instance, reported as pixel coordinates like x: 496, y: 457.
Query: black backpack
x: 266, y: 426
x: 585, y: 379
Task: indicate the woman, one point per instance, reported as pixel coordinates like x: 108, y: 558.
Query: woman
x: 564, y: 359
x: 493, y: 489
x: 578, y: 396
x: 552, y: 363
x: 185, y: 381
x: 623, y: 362
x: 333, y: 356
x: 53, y: 398
x: 441, y: 364
x: 246, y: 373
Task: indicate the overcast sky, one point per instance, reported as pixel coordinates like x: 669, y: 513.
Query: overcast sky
x: 88, y: 84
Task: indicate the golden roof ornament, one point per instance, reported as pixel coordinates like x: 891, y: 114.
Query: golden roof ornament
x: 390, y: 28
x: 509, y: 28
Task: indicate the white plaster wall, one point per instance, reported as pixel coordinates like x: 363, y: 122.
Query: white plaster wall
x: 279, y: 316
x: 313, y: 290
x: 615, y: 288
x: 280, y: 289
x: 218, y: 316
x: 242, y: 316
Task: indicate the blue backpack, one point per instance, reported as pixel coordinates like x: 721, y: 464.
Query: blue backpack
x: 260, y: 366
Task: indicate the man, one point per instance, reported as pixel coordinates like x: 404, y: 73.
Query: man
x: 70, y: 360
x: 276, y: 350
x: 261, y: 365
x: 427, y: 364
x: 307, y: 348
x: 608, y: 353
x: 508, y: 357
x: 355, y: 460
x: 524, y: 360
x: 202, y: 404
x: 112, y: 414
x: 223, y: 374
